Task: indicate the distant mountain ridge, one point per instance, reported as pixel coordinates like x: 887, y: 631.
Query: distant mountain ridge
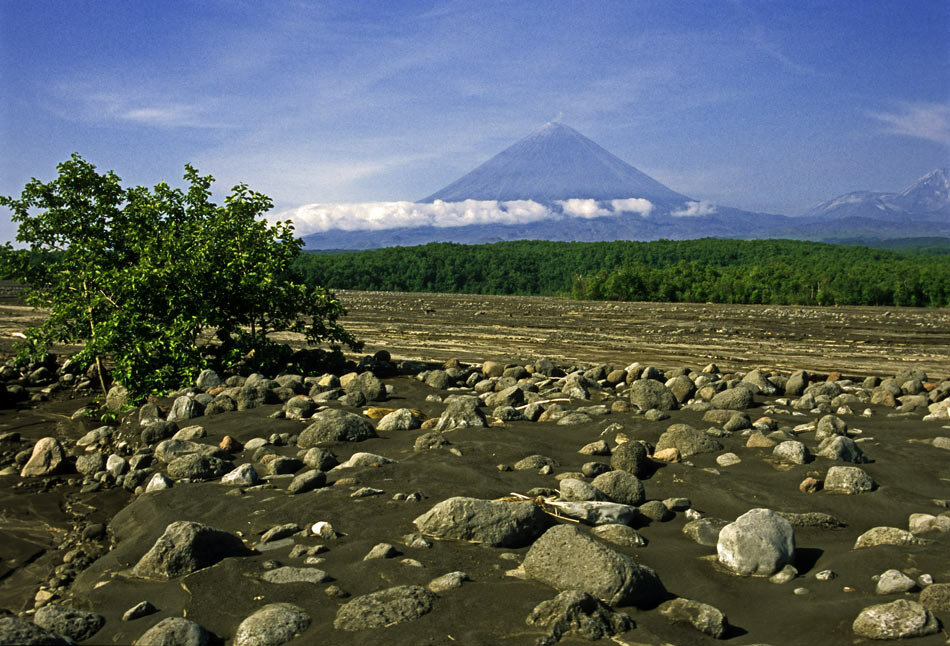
x: 928, y: 196
x: 557, y: 166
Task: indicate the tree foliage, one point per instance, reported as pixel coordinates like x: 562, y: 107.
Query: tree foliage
x: 707, y: 270
x: 147, y: 277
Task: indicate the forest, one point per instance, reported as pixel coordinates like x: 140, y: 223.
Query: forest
x: 779, y: 272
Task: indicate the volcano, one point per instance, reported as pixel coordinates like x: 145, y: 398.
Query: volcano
x: 556, y: 163
x: 556, y: 184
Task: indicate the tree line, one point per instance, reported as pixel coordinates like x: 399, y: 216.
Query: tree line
x: 780, y: 272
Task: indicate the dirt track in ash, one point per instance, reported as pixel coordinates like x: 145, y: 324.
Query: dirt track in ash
x: 853, y: 340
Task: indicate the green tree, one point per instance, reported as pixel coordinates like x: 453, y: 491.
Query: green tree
x: 147, y: 278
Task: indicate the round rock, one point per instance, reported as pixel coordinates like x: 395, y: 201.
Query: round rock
x: 758, y: 543
x: 567, y: 559
x: 895, y: 620
x: 272, y: 625
x: 497, y: 523
x: 336, y: 425
x: 632, y: 457
x: 848, y: 480
x: 175, y: 630
x: 387, y: 607
x: 71, y: 622
x: 621, y: 486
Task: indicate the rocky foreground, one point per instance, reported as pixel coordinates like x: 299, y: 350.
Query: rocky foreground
x: 412, y: 503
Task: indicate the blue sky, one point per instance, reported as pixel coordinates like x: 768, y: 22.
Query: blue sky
x: 760, y: 105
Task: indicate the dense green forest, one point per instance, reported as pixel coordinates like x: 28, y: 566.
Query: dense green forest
x: 707, y: 270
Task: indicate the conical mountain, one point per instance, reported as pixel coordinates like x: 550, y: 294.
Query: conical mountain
x: 556, y: 163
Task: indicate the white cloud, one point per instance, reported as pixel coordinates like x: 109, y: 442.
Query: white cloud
x: 581, y: 208
x: 929, y: 121
x: 376, y: 216
x: 632, y: 205
x: 162, y: 115
x: 695, y: 209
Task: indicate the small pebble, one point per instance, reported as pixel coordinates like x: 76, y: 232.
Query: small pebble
x: 335, y: 592
x: 365, y: 492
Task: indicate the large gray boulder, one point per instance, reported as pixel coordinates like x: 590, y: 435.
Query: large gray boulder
x: 461, y: 411
x: 758, y: 543
x: 169, y: 450
x: 620, y: 486
x: 567, y: 559
x: 760, y: 381
x: 155, y: 430
x: 842, y: 449
x: 574, y: 490
x: 387, y: 607
x: 830, y: 425
x: 848, y: 480
x: 885, y: 536
x: 688, y: 440
x: 186, y: 547
x: 369, y: 385
x: 272, y: 625
x: 336, y: 425
x: 23, y: 632
x: 705, y: 531
x: 791, y: 451
x: 299, y: 407
x: 577, y: 613
x: 497, y: 523
x: 682, y: 388
x: 738, y: 398
x: 796, y: 384
x: 307, y: 481
x: 207, y: 380
x: 402, y: 419
x: 48, y: 458
x: 320, y: 459
x: 632, y: 457
x: 895, y: 620
x: 936, y: 597
x: 184, y: 408
x: 701, y: 616
x: 648, y: 393
x: 175, y: 631
x: 198, y: 467
x: 117, y: 397
x: 71, y: 622
x: 512, y: 396
x: 90, y: 463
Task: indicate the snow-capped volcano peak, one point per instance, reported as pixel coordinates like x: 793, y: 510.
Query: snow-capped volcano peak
x: 552, y: 164
x: 930, y: 193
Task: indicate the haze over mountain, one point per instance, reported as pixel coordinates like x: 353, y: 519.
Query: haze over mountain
x: 556, y: 184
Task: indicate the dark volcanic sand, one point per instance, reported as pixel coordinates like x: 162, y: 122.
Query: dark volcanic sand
x: 491, y: 608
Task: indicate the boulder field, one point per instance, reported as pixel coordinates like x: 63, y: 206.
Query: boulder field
x: 492, y: 503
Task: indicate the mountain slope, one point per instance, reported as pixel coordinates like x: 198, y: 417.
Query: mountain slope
x: 556, y: 163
